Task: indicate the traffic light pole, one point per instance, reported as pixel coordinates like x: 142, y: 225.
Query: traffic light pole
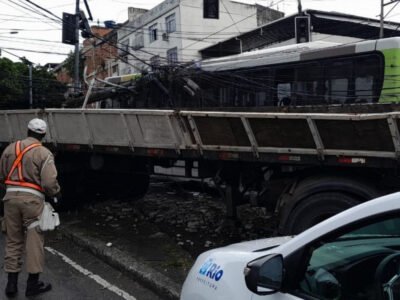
x: 76, y: 69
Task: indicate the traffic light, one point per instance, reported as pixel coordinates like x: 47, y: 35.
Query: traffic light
x: 68, y: 29
x: 86, y: 32
x: 302, y: 29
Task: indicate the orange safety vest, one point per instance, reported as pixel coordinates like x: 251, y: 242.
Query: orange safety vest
x: 18, y: 164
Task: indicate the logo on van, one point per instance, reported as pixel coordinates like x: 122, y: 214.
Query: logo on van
x: 211, y: 270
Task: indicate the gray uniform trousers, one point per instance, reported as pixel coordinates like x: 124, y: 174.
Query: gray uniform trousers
x: 20, y: 210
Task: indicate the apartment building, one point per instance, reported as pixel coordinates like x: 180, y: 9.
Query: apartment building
x: 173, y: 32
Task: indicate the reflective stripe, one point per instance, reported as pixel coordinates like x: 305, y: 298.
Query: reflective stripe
x: 33, y: 225
x: 18, y: 164
x: 26, y: 190
x: 18, y: 151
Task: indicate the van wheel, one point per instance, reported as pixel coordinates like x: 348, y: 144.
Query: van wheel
x: 316, y: 208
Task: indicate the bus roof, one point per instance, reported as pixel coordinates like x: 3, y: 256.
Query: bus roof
x: 293, y: 53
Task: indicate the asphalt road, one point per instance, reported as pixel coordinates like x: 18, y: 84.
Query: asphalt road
x: 76, y: 274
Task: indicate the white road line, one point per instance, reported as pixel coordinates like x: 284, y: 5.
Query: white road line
x: 95, y: 277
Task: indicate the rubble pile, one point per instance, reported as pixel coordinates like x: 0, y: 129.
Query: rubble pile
x: 195, y: 219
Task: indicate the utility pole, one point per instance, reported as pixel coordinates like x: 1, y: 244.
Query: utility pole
x: 76, y: 73
x: 382, y: 16
x: 30, y: 85
x: 70, y: 35
x: 299, y: 7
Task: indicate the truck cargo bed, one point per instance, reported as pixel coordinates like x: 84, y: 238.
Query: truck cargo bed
x: 360, y: 134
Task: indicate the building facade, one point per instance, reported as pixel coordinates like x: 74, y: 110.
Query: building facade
x: 174, y: 31
x: 100, y: 54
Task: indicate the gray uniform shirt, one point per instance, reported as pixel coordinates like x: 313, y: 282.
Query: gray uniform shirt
x: 37, y: 167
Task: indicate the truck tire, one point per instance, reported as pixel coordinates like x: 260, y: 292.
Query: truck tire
x: 317, y: 208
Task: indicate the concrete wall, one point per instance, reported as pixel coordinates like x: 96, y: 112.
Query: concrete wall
x: 134, y: 13
x: 266, y: 15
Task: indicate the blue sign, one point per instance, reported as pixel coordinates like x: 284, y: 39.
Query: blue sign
x: 211, y: 270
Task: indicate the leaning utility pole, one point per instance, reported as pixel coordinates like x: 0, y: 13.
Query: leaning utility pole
x: 76, y: 70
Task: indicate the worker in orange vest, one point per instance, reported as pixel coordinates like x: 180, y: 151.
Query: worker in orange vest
x: 28, y: 172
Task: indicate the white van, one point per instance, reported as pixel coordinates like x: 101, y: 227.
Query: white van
x: 353, y: 255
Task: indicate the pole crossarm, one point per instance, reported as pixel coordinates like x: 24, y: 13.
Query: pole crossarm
x: 390, y: 2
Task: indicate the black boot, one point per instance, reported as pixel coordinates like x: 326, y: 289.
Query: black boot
x: 12, y: 285
x: 35, y: 287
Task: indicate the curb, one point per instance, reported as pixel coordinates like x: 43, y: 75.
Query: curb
x: 122, y: 260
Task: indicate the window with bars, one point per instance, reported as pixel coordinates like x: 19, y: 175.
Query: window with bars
x: 153, y: 33
x: 211, y: 9
x: 170, y: 23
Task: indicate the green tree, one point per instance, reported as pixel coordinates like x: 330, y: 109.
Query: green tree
x: 14, y: 86
x: 11, y: 87
x: 70, y: 64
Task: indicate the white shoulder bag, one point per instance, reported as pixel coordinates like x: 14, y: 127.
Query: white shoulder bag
x: 48, y: 220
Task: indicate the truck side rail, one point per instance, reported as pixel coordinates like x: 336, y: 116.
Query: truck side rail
x: 252, y: 134
x: 321, y: 134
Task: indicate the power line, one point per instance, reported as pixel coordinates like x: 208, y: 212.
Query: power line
x: 9, y: 38
x: 42, y: 8
x: 27, y: 8
x: 35, y: 51
x: 22, y: 29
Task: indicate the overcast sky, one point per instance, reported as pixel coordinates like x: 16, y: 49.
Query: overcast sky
x: 22, y: 27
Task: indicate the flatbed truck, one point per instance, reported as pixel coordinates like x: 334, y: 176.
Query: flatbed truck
x: 303, y: 164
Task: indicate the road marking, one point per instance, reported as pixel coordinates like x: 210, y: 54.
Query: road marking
x: 95, y: 277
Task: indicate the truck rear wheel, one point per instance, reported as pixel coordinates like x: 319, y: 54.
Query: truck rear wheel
x: 317, y: 208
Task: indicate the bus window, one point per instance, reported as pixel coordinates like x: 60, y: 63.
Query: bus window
x: 367, y: 75
x: 262, y: 86
x: 284, y: 81
x: 211, y: 86
x: 252, y: 87
x: 308, y: 86
x: 338, y: 75
x: 284, y: 93
x: 261, y: 99
x: 363, y: 91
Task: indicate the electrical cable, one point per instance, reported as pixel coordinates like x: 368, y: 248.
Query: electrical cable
x: 34, y: 51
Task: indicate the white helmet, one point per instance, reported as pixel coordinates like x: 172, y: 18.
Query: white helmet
x: 37, y: 125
